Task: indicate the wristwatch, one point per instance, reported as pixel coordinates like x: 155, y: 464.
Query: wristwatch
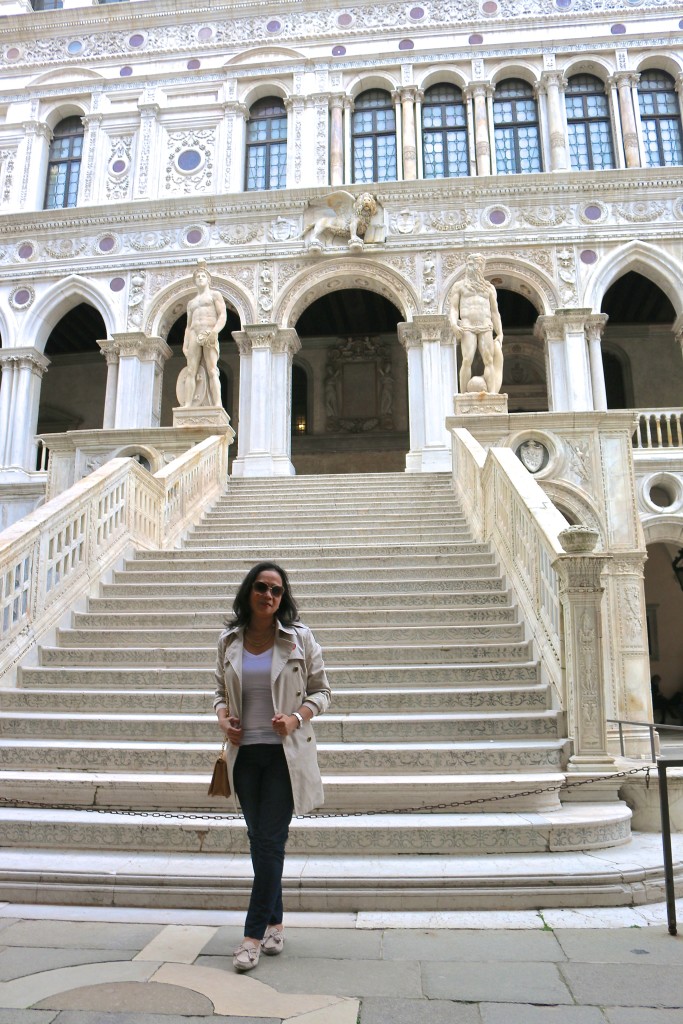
x: 300, y: 717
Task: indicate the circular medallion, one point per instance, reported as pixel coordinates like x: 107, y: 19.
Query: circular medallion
x: 117, y: 284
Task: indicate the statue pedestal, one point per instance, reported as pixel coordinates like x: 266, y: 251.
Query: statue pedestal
x: 200, y: 416
x: 480, y: 403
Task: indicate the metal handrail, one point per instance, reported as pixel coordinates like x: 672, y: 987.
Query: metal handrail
x: 662, y: 764
x: 652, y: 726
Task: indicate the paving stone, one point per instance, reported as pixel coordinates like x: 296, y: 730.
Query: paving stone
x: 495, y: 982
x: 80, y: 934
x: 17, y: 961
x: 5, y: 922
x: 633, y: 984
x: 622, y: 945
x: 532, y: 946
x: 36, y: 1017
x: 177, y: 943
x: 98, y: 1017
x: 307, y: 942
x: 132, y: 997
x: 625, y: 1015
x: 414, y: 1011
x: 26, y: 992
x: 521, y: 1013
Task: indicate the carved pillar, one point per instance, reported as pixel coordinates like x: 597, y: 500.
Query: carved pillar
x: 22, y: 373
x: 110, y: 352
x: 407, y: 95
x: 145, y: 183
x: 91, y: 145
x: 679, y: 90
x: 567, y: 364
x: 337, y: 140
x: 321, y: 171
x: 581, y: 590
x: 624, y: 82
x: 419, y: 96
x: 33, y: 154
x: 141, y: 360
x: 266, y: 353
x: 595, y: 325
x: 481, y: 92
x: 396, y: 97
x: 294, y: 105
x: 553, y: 84
x: 235, y: 120
x: 678, y: 331
x: 428, y: 342
x: 348, y: 144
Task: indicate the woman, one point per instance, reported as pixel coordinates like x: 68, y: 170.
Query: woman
x: 270, y: 683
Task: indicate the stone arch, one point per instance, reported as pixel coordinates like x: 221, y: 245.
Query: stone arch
x: 519, y: 69
x: 60, y: 76
x: 439, y: 76
x: 60, y: 109
x: 653, y: 263
x: 8, y: 330
x: 663, y: 529
x: 265, y: 54
x: 584, y: 512
x: 517, y: 276
x: 153, y: 456
x: 597, y: 66
x: 58, y: 300
x: 262, y: 90
x: 363, y: 82
x: 668, y: 62
x: 172, y: 301
x: 311, y: 285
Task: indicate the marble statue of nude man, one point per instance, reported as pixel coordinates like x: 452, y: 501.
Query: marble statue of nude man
x: 206, y: 315
x: 476, y: 323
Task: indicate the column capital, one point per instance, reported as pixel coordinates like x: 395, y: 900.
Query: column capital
x: 92, y: 119
x: 21, y: 358
x: 555, y: 326
x: 40, y: 128
x: 292, y: 102
x: 109, y: 350
x: 337, y: 100
x: 595, y: 325
x: 146, y: 348
x: 551, y: 78
x: 149, y: 109
x: 624, y: 78
x: 407, y: 93
x: 474, y: 89
x: 267, y: 337
x: 235, y: 107
x: 425, y: 327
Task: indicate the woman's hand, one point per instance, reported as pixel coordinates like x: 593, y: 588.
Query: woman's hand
x: 285, y: 725
x: 232, y: 729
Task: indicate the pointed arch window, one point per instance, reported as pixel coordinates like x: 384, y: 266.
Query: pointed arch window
x: 444, y: 133
x: 64, y: 164
x: 374, y: 137
x: 266, y: 163
x: 515, y: 118
x: 588, y: 124
x: 661, y: 119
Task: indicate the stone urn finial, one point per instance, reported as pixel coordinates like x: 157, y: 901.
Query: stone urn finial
x: 578, y: 540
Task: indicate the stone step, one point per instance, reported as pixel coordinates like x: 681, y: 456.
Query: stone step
x: 375, y: 835
x: 211, y: 534
x: 323, y: 578
x: 116, y: 657
x: 349, y: 636
x: 358, y: 727
x: 463, y: 758
x: 495, y: 595
x: 348, y: 617
x: 344, y: 523
x: 474, y: 794
x: 402, y: 701
x: 301, y: 510
x: 498, y: 676
x: 314, y: 559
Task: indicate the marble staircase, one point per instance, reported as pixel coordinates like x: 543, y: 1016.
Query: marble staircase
x: 440, y: 719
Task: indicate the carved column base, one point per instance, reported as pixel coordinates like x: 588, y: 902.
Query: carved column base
x: 200, y: 415
x: 477, y: 403
x: 429, y: 460
x: 262, y: 464
x: 588, y: 763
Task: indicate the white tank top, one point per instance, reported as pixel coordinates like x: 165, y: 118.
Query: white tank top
x: 257, y: 699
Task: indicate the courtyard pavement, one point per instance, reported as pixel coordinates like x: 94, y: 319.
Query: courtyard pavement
x: 71, y: 965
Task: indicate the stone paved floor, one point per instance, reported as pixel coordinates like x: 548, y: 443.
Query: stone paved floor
x: 69, y: 965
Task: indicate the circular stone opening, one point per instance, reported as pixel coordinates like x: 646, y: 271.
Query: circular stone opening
x: 274, y: 25
x: 618, y: 30
x: 593, y: 213
x: 490, y: 7
x: 344, y: 20
x: 194, y: 64
x: 205, y: 33
x: 119, y: 166
x: 125, y: 72
x: 136, y: 40
x: 22, y: 297
x: 588, y: 256
x: 117, y: 284
x: 659, y: 495
x: 75, y: 46
x: 338, y: 51
x: 417, y: 13
x: 13, y: 53
x: 406, y: 44
x: 497, y: 217
x: 107, y: 243
x: 475, y: 39
x: 25, y: 251
x: 193, y: 236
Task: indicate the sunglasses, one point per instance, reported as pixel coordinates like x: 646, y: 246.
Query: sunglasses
x: 262, y: 588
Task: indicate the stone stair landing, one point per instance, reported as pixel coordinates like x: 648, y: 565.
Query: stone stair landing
x: 441, y: 741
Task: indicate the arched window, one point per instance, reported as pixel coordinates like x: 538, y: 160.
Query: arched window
x: 46, y: 5
x: 64, y: 164
x: 444, y: 133
x: 374, y: 137
x: 515, y: 119
x: 661, y: 119
x: 588, y: 124
x: 266, y: 162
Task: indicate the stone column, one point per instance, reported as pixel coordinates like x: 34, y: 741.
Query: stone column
x: 33, y: 154
x: 553, y: 84
x: 337, y: 140
x: 145, y: 174
x: 624, y: 82
x: 580, y: 586
x: 427, y: 340
x: 396, y: 97
x: 407, y: 95
x: 235, y: 120
x: 141, y: 360
x: 419, y: 96
x: 567, y: 365
x: 266, y: 353
x: 91, y: 145
x: 294, y: 105
x: 595, y: 325
x: 348, y: 146
x: 480, y: 93
x: 679, y: 90
x: 22, y: 373
x: 320, y: 173
x: 110, y: 352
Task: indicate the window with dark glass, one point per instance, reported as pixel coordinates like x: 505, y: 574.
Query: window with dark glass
x: 515, y: 119
x: 661, y: 119
x: 266, y: 163
x: 588, y: 124
x: 46, y: 5
x: 444, y: 133
x: 374, y: 137
x: 64, y: 164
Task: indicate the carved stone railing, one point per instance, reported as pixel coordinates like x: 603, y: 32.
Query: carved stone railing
x: 506, y: 506
x: 659, y: 428
x: 52, y: 555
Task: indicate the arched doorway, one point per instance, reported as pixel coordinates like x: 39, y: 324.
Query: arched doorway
x: 637, y: 337
x: 73, y: 389
x: 664, y: 603
x: 357, y: 385
x: 228, y: 368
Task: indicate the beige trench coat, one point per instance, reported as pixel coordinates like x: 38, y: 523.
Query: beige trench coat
x: 297, y: 676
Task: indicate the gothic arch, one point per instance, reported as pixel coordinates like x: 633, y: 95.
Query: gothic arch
x: 653, y: 263
x: 516, y: 276
x: 563, y: 495
x: 58, y: 300
x: 172, y: 301
x: 312, y: 283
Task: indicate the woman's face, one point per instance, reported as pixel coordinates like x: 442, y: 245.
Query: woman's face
x: 264, y: 606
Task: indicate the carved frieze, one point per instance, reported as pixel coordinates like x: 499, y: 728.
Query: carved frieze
x: 136, y: 300
x: 189, y: 167
x: 451, y: 220
x: 640, y: 212
x: 241, y: 234
x: 149, y: 241
x: 119, y: 166
x: 544, y: 216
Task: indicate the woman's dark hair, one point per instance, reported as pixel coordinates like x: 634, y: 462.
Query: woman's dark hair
x: 241, y: 608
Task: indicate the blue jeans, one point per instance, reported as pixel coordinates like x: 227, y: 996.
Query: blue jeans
x: 264, y: 791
